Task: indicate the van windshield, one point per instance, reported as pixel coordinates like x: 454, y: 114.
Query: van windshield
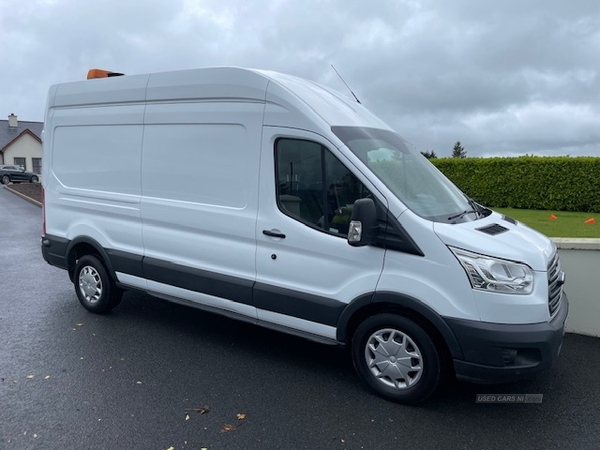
x: 408, y: 174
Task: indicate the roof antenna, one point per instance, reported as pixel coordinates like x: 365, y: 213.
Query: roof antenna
x: 338, y: 74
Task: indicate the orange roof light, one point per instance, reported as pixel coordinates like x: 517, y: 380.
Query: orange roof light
x: 100, y: 73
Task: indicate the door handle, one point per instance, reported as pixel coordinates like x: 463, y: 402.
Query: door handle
x: 274, y: 233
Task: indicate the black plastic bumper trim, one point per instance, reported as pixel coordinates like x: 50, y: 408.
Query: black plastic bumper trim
x: 228, y: 287
x: 537, y: 347
x: 297, y: 304
x: 54, y: 250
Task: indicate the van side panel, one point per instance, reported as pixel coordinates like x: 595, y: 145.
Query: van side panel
x: 92, y: 158
x: 199, y: 196
x: 197, y: 163
x: 93, y: 185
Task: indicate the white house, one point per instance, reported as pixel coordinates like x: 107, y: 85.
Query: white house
x: 21, y: 143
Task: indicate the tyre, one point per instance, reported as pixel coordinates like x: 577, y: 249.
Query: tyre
x: 34, y: 179
x: 5, y: 179
x: 396, y: 358
x: 95, y: 289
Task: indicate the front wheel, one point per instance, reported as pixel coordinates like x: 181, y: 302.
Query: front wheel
x: 95, y: 289
x: 396, y: 358
x: 34, y: 179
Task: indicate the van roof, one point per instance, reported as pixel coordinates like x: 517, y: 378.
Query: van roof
x: 218, y: 84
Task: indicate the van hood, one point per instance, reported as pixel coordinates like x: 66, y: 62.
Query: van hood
x: 500, y: 237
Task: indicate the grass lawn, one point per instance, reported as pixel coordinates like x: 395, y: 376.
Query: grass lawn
x: 566, y: 224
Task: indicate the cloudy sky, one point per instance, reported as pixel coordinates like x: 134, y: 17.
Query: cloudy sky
x: 505, y: 77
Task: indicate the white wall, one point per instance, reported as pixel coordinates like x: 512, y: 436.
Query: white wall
x: 25, y: 147
x: 580, y: 260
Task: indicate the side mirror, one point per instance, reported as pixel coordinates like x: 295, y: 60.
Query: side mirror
x: 363, y: 223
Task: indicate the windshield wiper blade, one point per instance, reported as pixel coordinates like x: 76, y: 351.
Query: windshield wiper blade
x: 476, y: 206
x: 464, y: 213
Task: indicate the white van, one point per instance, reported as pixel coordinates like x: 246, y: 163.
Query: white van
x: 274, y: 200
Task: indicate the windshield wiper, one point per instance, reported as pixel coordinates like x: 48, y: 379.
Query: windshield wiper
x: 464, y: 213
x: 476, y: 206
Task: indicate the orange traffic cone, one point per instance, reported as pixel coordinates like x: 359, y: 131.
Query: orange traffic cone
x: 553, y: 217
x: 590, y: 220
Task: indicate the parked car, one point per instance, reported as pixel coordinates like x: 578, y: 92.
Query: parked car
x: 16, y: 174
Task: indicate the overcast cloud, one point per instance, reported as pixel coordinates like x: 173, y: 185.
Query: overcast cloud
x: 505, y: 78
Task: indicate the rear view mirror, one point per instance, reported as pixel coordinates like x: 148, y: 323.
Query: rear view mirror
x: 363, y: 223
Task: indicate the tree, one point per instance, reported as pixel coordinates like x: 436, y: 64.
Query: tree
x: 429, y: 155
x: 459, y: 151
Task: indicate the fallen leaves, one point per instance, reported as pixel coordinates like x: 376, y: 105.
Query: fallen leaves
x: 201, y: 410
x: 31, y: 377
x: 227, y: 428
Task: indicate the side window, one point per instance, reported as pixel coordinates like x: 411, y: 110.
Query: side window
x: 314, y: 187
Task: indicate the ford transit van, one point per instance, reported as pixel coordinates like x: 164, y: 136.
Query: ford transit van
x: 277, y: 201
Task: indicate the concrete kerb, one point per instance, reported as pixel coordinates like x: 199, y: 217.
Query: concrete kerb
x: 577, y: 243
x: 29, y: 199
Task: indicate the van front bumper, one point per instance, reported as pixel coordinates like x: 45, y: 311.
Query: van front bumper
x: 502, y: 352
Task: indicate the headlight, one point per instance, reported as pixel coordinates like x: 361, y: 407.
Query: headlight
x: 497, y: 275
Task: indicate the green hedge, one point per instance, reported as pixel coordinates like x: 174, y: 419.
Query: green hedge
x: 528, y: 182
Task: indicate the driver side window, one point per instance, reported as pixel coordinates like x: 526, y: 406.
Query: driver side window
x: 314, y: 187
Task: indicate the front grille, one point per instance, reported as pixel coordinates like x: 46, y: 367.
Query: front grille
x: 554, y: 285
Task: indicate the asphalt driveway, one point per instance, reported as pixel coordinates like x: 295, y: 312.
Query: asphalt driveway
x: 155, y: 375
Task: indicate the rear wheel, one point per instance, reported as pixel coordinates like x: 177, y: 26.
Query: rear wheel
x: 96, y: 290
x: 396, y: 358
x: 5, y: 179
x: 34, y: 179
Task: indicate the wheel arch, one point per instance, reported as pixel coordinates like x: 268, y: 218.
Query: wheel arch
x: 391, y: 302
x: 82, y: 246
